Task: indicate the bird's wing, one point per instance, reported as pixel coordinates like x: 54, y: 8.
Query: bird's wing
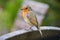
x: 32, y: 18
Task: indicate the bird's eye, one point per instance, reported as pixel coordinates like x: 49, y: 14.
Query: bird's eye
x: 26, y: 8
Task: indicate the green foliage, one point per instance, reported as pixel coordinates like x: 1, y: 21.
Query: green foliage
x: 52, y: 17
x: 9, y: 13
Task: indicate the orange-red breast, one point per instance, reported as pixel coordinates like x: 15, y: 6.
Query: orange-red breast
x: 30, y: 17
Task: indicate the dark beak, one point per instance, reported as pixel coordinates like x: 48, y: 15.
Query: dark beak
x: 21, y: 9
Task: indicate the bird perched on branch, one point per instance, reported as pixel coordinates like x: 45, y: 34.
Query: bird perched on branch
x: 30, y: 17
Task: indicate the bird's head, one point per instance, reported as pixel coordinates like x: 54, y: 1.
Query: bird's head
x: 25, y: 10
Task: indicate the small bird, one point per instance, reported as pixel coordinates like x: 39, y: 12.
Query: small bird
x: 30, y: 17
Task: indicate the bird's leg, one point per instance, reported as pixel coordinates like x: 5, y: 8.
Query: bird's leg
x: 31, y: 28
x: 28, y: 29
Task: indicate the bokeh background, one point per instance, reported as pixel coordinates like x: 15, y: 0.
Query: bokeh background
x: 9, y: 11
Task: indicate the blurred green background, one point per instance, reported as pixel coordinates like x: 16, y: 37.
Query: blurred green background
x: 9, y: 12
x: 52, y: 17
x: 11, y: 7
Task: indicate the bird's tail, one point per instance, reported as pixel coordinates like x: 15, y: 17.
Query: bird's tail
x: 40, y: 31
x: 38, y: 27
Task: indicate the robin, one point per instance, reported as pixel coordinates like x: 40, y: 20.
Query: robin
x: 30, y: 17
